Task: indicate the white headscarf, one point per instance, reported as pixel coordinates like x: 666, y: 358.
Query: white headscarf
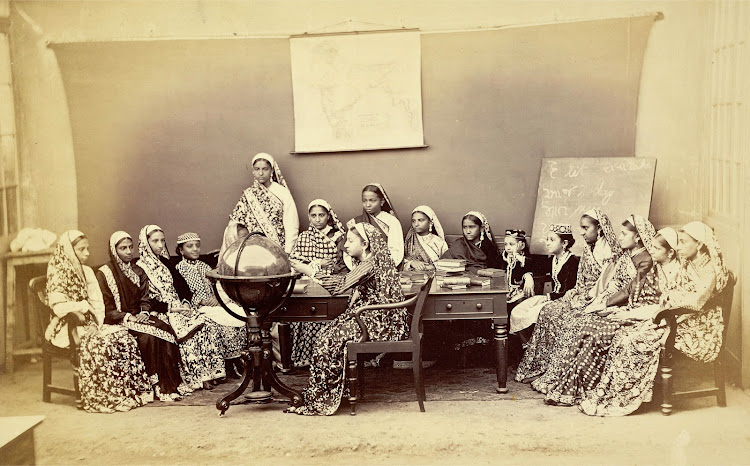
x: 276, y: 171
x: 433, y: 218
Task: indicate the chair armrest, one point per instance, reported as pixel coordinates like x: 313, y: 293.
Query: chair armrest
x: 671, y: 314
x: 374, y: 307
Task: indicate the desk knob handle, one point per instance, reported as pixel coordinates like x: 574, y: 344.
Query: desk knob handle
x: 479, y: 305
x: 449, y: 306
x: 283, y: 309
x: 312, y: 309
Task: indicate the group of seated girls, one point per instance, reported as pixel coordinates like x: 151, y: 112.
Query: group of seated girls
x: 150, y: 328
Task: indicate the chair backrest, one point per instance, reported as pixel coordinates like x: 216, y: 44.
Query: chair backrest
x: 43, y: 313
x: 416, y: 312
x: 724, y: 298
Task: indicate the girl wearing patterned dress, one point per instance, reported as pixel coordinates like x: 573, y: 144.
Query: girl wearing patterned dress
x: 425, y: 240
x: 320, y: 246
x: 374, y: 280
x: 266, y: 206
x: 112, y: 376
x: 378, y: 211
x: 193, y: 270
x: 587, y: 355
x: 551, y: 337
x: 198, y: 337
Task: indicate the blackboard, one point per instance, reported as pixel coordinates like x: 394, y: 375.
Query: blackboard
x: 568, y: 187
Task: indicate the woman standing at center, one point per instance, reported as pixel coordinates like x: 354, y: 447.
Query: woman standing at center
x: 378, y: 211
x: 266, y: 206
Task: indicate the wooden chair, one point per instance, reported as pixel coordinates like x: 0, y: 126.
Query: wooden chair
x: 412, y: 345
x: 43, y: 312
x: 668, y: 352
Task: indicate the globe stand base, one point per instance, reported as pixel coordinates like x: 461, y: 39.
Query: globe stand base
x: 257, y: 368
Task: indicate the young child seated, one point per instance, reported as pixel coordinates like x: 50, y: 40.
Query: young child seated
x: 518, y: 271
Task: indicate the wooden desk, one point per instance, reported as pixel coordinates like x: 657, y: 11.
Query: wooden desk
x: 472, y: 303
x: 17, y: 439
x: 8, y: 319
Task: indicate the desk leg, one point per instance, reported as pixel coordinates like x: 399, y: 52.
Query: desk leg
x: 285, y: 346
x: 10, y: 318
x: 501, y: 346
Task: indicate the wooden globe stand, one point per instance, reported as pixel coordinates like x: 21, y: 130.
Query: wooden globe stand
x: 257, y: 358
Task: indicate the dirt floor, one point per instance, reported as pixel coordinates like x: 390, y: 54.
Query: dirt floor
x: 465, y: 423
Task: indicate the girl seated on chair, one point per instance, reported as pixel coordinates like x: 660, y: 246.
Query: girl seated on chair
x: 320, y: 246
x: 112, y: 376
x: 518, y: 267
x: 374, y: 280
x: 378, y: 211
x: 198, y: 337
x: 124, y: 286
x: 425, y: 240
x: 193, y: 270
x: 477, y: 245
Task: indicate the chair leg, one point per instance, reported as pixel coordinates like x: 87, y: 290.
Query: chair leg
x: 353, y: 385
x: 76, y: 389
x: 46, y: 377
x: 416, y: 363
x: 361, y: 376
x: 719, y: 376
x: 666, y: 390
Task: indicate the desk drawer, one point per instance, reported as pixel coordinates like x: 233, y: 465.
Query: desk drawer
x: 456, y: 307
x: 305, y: 309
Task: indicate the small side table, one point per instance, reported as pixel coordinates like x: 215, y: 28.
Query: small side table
x: 17, y: 439
x: 8, y: 319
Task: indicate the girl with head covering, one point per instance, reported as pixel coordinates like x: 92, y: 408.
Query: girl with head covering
x: 374, y: 280
x: 112, y: 376
x: 378, y: 211
x: 477, y: 245
x: 549, y: 342
x: 518, y: 267
x: 193, y: 270
x: 425, y: 240
x: 586, y: 357
x: 198, y: 337
x: 562, y: 268
x: 321, y: 247
x: 703, y: 274
x: 124, y: 287
x: 266, y: 206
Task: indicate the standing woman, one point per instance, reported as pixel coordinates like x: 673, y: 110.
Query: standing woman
x: 378, y: 211
x: 266, y: 206
x: 321, y: 247
x: 374, y: 280
x: 112, y: 374
x: 425, y: 240
x: 597, y: 264
x: 199, y: 338
x: 124, y: 286
x: 477, y: 245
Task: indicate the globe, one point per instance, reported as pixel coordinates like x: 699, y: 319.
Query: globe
x: 255, y: 273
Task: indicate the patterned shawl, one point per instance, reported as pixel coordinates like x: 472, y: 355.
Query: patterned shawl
x: 386, y: 277
x: 414, y: 249
x: 194, y: 272
x: 65, y: 272
x: 645, y: 229
x: 703, y: 233
x: 315, y: 244
x: 160, y: 281
x: 609, y: 236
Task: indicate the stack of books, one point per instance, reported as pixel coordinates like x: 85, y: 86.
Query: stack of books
x: 480, y: 281
x: 413, y: 276
x: 457, y: 283
x: 447, y: 267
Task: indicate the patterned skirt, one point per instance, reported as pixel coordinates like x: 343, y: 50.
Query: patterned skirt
x: 201, y: 354
x: 324, y: 391
x: 699, y: 336
x: 304, y: 336
x: 112, y: 374
x: 627, y: 379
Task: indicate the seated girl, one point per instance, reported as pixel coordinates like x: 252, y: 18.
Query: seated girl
x: 378, y: 211
x: 518, y: 267
x: 477, y: 246
x: 198, y: 337
x: 596, y: 267
x: 320, y: 247
x: 586, y: 357
x: 563, y: 270
x: 374, y: 280
x: 112, y: 376
x: 425, y: 240
x: 193, y: 270
x: 124, y: 286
